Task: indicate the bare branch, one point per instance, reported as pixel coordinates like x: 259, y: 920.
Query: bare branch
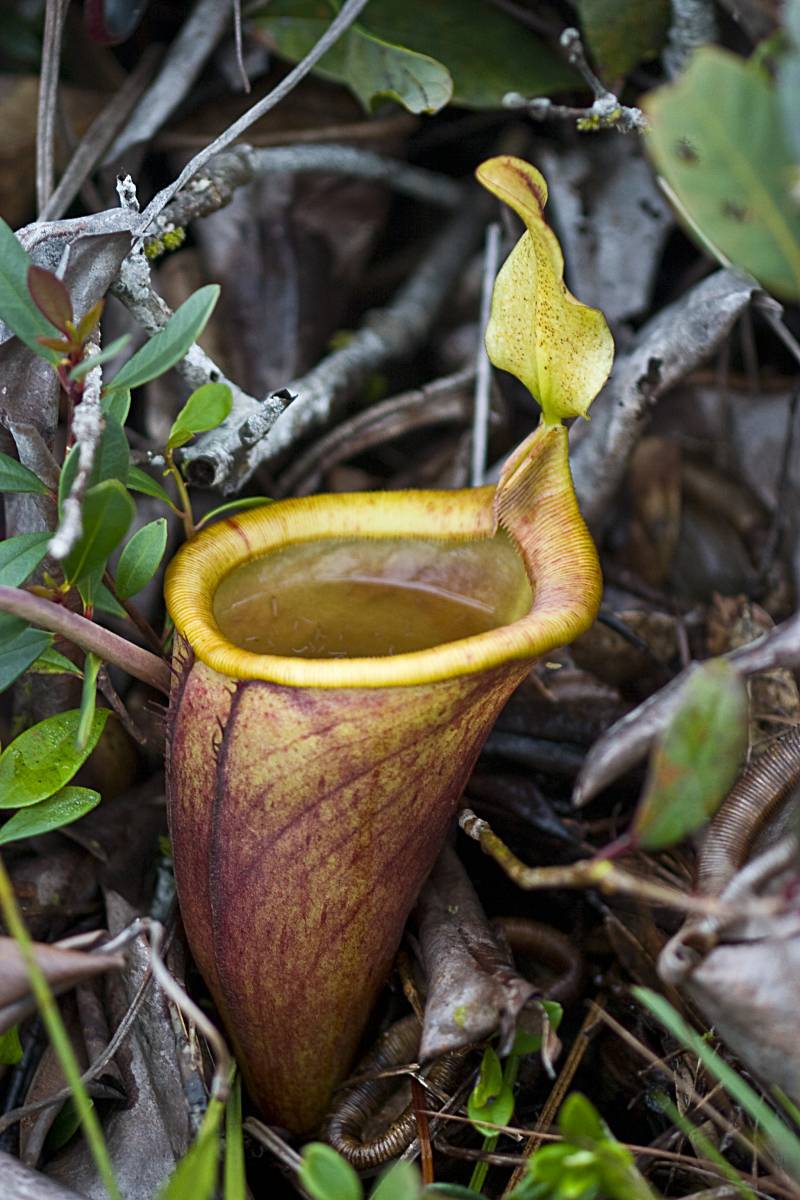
x: 182, y: 64
x: 226, y: 457
x: 90, y: 637
x: 341, y: 22
x: 214, y: 188
x: 55, y: 13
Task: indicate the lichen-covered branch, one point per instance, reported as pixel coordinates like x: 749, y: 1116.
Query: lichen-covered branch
x: 87, y: 429
x: 211, y: 190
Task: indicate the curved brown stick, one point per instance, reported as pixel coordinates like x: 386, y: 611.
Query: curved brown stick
x: 754, y: 798
x: 358, y: 1104
x: 548, y: 946
x: 90, y: 637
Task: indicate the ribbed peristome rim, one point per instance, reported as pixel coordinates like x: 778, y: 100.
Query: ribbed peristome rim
x: 540, y: 514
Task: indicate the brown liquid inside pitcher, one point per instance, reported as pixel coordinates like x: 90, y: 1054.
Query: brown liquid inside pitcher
x: 353, y: 598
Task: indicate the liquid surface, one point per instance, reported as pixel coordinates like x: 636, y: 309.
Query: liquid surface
x: 353, y: 598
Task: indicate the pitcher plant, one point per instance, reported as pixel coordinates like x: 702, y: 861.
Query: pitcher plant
x: 339, y: 661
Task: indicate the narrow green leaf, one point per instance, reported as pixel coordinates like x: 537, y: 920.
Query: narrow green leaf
x: 195, y: 1177
x: 18, y: 654
x: 50, y: 296
x: 206, y: 408
x: 96, y: 360
x: 117, y: 404
x: 785, y: 1142
x: 326, y: 1175
x: 53, y: 662
x: 44, y: 758
x: 107, y: 512
x: 171, y: 343
x: 20, y: 556
x: 729, y: 164
x: 111, y: 461
x: 91, y: 668
x: 14, y: 477
x: 235, y: 1182
x: 234, y: 506
x: 140, y: 558
x: 10, y: 1047
x: 140, y: 481
x: 16, y: 306
x: 104, y: 601
x: 697, y: 759
x: 400, y: 1182
x: 67, y: 805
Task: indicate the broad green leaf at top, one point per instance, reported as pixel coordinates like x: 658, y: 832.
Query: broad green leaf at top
x: 44, y: 758
x: 170, y: 344
x: 560, y: 349
x: 622, y: 33
x: 17, y: 308
x: 696, y: 760
x: 421, y: 53
x: 717, y: 138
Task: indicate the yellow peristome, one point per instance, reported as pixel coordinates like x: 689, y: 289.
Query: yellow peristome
x: 560, y: 349
x: 559, y: 556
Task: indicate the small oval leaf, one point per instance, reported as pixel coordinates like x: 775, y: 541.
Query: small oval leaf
x: 44, y: 758
x: 326, y: 1175
x: 140, y: 558
x: 50, y: 296
x: 206, y: 408
x: 67, y: 805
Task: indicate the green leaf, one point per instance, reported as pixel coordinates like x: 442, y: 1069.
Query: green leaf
x: 729, y: 166
x: 96, y: 360
x: 117, y: 404
x: 140, y: 481
x: 195, y: 1177
x: 140, y: 558
x: 107, y: 512
x: 479, y: 51
x: 622, y: 33
x: 111, y: 461
x: 17, y: 654
x: 579, y: 1120
x: 371, y: 67
x: 91, y: 669
x: 20, y: 556
x: 53, y: 662
x: 235, y: 1181
x: 10, y: 1047
x: 105, y: 602
x: 529, y: 1041
x: 67, y: 805
x: 490, y: 1078
x: 16, y: 306
x: 455, y: 1190
x: 170, y: 344
x: 234, y: 506
x: 785, y: 1142
x: 206, y: 408
x: 14, y: 477
x: 326, y: 1175
x: 499, y: 1110
x: 44, y: 758
x: 697, y: 758
x: 50, y: 296
x: 400, y: 1182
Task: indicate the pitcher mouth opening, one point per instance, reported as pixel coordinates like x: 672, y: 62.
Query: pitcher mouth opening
x: 538, y: 601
